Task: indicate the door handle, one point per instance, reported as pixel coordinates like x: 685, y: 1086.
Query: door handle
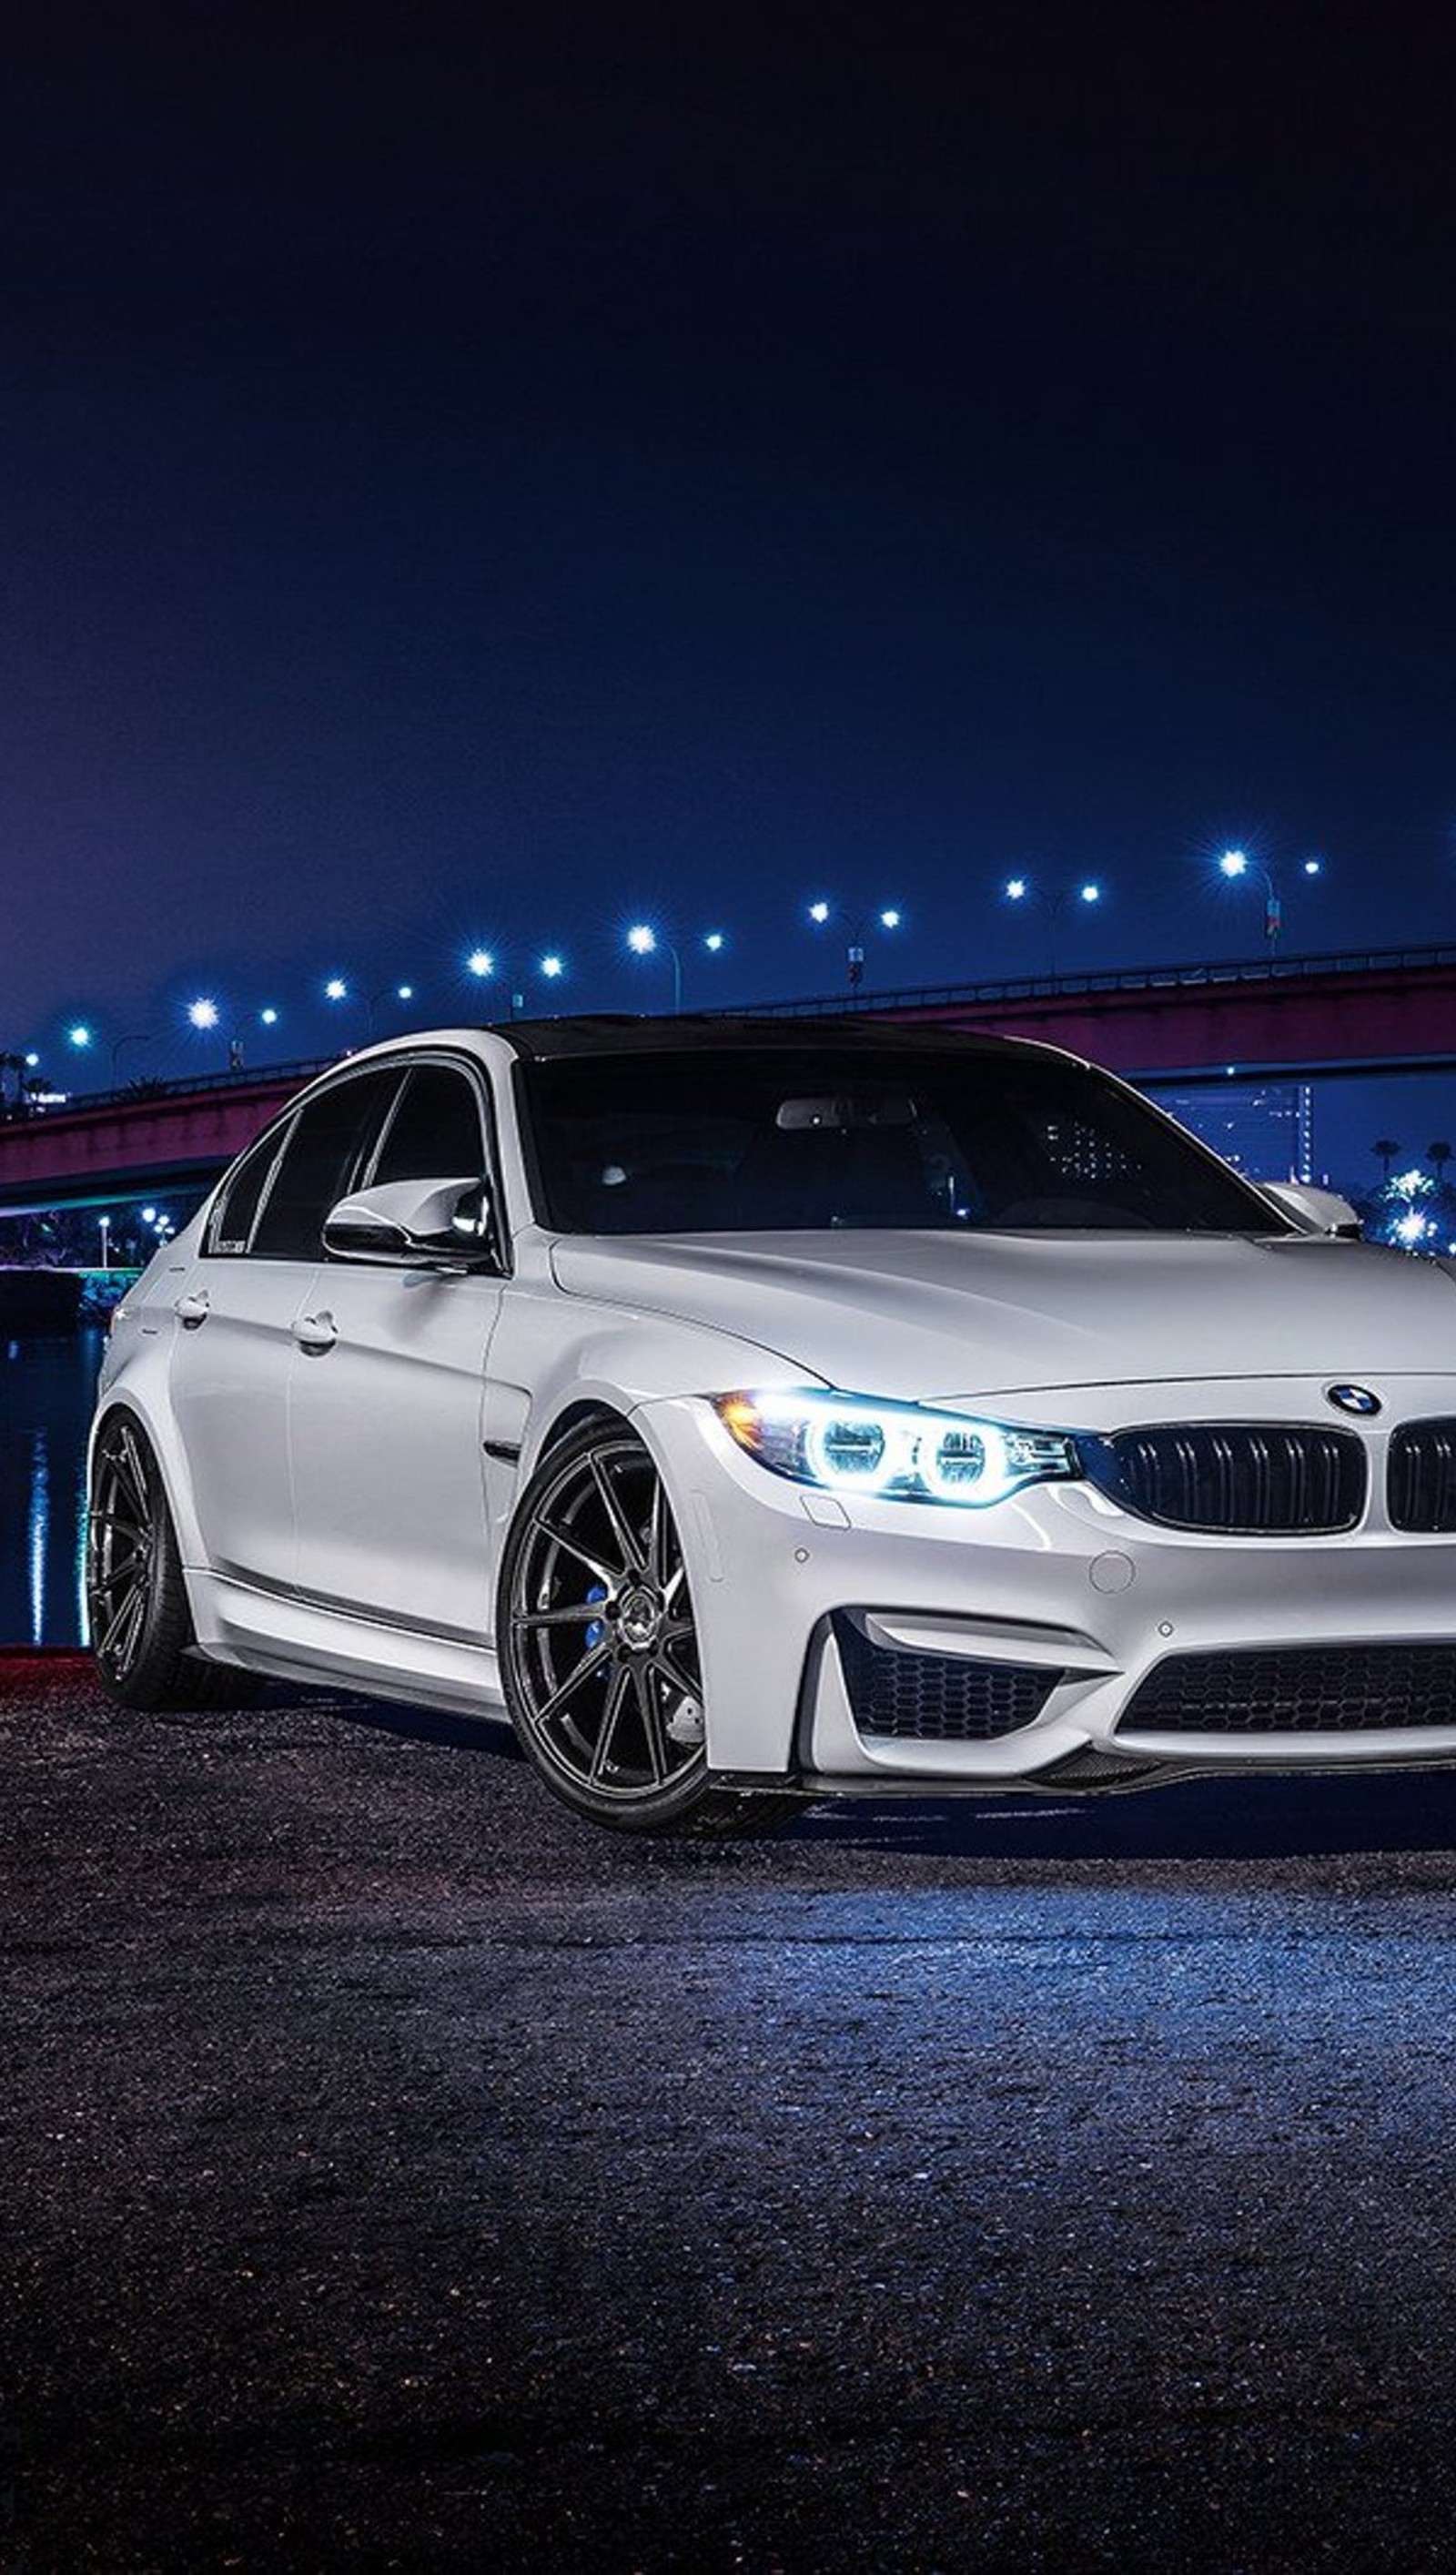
x: 193, y: 1308
x: 315, y: 1332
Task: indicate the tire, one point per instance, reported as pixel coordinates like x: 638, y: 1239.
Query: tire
x: 142, y: 1636
x: 599, y: 1647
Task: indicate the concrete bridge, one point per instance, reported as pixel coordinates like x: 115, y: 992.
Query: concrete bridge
x: 158, y: 1136
x: 1292, y: 1019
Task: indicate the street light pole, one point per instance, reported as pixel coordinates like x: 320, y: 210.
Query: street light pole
x: 482, y: 962
x: 1021, y: 890
x: 133, y: 1037
x: 644, y: 941
x: 853, y: 925
x: 1237, y: 862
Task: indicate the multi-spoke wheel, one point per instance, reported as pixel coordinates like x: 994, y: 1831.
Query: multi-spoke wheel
x: 599, y: 1645
x: 141, y: 1629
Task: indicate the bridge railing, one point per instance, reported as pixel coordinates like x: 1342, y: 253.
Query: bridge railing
x: 1019, y: 988
x: 144, y: 1093
x: 1115, y: 979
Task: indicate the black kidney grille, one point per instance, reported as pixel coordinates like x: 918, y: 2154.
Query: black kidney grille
x: 1421, y: 1491
x: 1296, y: 1690
x: 1257, y: 1479
x: 936, y: 1699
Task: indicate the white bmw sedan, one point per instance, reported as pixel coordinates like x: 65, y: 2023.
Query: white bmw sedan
x: 752, y: 1409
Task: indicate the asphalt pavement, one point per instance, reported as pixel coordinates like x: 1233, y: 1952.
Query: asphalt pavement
x: 400, y: 2175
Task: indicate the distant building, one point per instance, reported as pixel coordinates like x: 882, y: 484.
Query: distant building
x: 1265, y: 1128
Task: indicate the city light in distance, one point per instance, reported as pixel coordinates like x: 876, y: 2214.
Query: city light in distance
x: 79, y: 1034
x: 335, y: 990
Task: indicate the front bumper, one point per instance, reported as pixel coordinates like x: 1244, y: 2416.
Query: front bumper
x: 1058, y: 1582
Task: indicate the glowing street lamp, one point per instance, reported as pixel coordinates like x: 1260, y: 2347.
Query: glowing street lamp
x: 339, y: 988
x: 644, y: 941
x: 853, y: 926
x: 400, y: 993
x: 1023, y: 889
x: 1235, y: 864
x: 205, y: 1015
x: 483, y: 962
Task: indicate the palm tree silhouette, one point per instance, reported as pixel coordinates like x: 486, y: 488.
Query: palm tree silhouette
x: 1387, y: 1147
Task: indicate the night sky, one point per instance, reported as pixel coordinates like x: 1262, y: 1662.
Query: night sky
x: 488, y: 476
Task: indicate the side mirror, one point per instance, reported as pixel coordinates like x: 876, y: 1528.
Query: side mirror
x: 1314, y: 1210
x: 415, y: 1224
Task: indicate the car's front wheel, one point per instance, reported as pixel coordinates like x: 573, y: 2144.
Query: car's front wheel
x: 599, y: 1645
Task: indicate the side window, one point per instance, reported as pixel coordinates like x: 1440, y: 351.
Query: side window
x: 230, y: 1229
x: 326, y: 1149
x: 435, y: 1133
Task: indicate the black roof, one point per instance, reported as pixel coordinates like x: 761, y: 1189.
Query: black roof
x: 605, y: 1033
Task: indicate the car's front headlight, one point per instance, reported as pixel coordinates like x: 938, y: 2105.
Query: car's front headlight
x: 897, y: 1451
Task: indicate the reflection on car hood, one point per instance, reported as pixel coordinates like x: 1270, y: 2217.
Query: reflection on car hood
x: 943, y: 1316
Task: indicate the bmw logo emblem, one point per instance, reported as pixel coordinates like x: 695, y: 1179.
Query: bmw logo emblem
x: 1353, y: 1399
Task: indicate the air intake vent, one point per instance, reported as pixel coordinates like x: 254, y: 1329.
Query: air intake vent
x: 1265, y: 1479
x: 936, y: 1699
x: 1296, y: 1690
x: 1422, y: 1489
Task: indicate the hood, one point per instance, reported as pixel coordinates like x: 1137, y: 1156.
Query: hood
x: 949, y: 1317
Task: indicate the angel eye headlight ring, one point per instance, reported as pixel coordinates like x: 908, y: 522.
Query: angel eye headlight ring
x: 897, y: 1451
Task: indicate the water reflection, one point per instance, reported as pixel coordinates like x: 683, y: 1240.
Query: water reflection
x: 47, y: 1388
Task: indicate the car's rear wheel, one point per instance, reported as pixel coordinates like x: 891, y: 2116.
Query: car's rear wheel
x: 599, y: 1645
x: 141, y: 1626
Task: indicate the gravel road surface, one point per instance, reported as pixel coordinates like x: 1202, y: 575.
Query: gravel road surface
x: 398, y: 2175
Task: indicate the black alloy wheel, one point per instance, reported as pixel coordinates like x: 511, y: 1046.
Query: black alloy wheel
x: 599, y: 1645
x: 140, y: 1627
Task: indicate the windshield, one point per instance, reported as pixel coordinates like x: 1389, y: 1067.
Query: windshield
x: 736, y: 1140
